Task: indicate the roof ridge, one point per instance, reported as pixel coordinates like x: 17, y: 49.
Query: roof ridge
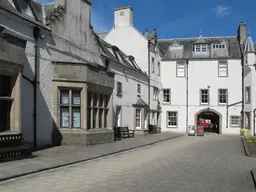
x: 194, y: 38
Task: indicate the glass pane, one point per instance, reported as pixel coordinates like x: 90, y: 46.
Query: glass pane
x: 64, y: 97
x: 89, y: 110
x: 94, y: 118
x: 101, y: 101
x: 105, y: 118
x: 5, y: 115
x: 89, y: 99
x: 76, y: 100
x: 5, y: 86
x: 95, y: 100
x: 105, y: 100
x: 24, y: 7
x: 76, y: 117
x: 64, y: 117
x: 100, y: 118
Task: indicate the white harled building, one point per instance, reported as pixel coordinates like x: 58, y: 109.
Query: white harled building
x: 145, y: 51
x: 201, y: 79
x: 250, y: 85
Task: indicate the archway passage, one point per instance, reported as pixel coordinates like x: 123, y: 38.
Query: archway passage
x: 214, y: 119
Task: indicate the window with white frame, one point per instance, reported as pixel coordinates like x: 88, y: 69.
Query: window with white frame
x: 153, y: 64
x: 197, y: 48
x: 138, y: 118
x: 172, y: 119
x: 201, y: 48
x: 234, y: 121
x: 223, y: 68
x: 70, y: 108
x: 180, y: 69
x: 98, y: 108
x: 204, y: 48
x: 155, y: 93
x: 223, y: 96
x: 204, y: 96
x: 119, y: 89
x: 138, y: 89
x: 248, y: 94
x: 166, y: 95
x: 159, y: 69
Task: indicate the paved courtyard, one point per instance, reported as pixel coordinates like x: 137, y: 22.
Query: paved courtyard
x: 210, y: 163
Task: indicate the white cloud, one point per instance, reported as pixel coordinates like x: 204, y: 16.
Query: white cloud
x: 222, y: 10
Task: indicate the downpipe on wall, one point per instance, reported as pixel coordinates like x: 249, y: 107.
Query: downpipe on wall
x: 254, y: 111
x: 186, y: 96
x: 149, y: 82
x: 36, y: 33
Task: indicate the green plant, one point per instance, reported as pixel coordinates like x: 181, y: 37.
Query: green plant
x: 249, y: 140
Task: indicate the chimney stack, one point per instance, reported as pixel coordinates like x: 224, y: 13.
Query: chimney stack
x: 241, y: 33
x: 123, y: 16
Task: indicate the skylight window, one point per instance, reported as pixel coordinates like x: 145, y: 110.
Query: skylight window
x: 23, y: 6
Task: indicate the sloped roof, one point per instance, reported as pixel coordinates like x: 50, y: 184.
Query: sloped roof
x: 186, y: 52
x: 140, y: 102
x: 36, y: 8
x: 102, y: 35
x: 249, y: 46
x: 108, y: 50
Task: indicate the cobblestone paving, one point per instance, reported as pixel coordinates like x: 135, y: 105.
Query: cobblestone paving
x: 215, y: 163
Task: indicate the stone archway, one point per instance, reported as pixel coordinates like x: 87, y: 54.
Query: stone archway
x: 212, y: 114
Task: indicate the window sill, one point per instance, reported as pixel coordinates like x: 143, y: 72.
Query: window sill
x: 234, y: 126
x: 223, y: 104
x: 172, y: 126
x: 166, y: 103
x: 204, y: 103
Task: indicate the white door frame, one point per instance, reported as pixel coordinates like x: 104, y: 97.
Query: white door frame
x: 136, y: 118
x: 118, y: 116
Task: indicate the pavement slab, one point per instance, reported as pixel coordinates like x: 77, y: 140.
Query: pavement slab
x: 65, y: 155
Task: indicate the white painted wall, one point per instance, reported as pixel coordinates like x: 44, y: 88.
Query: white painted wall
x: 132, y: 42
x: 201, y: 74
x: 249, y: 81
x: 129, y: 97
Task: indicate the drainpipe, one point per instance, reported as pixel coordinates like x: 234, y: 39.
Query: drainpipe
x: 149, y: 82
x: 243, y: 91
x: 187, y: 96
x: 36, y: 33
x: 254, y: 111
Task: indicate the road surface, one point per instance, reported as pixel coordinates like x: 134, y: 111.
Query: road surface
x: 213, y: 163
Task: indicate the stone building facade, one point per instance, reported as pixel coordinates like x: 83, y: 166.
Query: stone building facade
x: 59, y: 88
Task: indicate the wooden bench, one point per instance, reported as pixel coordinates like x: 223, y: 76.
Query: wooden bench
x: 13, y: 147
x: 126, y: 133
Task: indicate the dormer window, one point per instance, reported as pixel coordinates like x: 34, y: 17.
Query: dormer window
x: 200, y: 48
x: 176, y: 46
x: 23, y: 6
x: 218, y: 46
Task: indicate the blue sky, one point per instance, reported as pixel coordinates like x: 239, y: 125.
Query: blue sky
x: 179, y: 18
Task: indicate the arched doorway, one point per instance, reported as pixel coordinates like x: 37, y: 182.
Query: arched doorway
x: 213, y: 116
